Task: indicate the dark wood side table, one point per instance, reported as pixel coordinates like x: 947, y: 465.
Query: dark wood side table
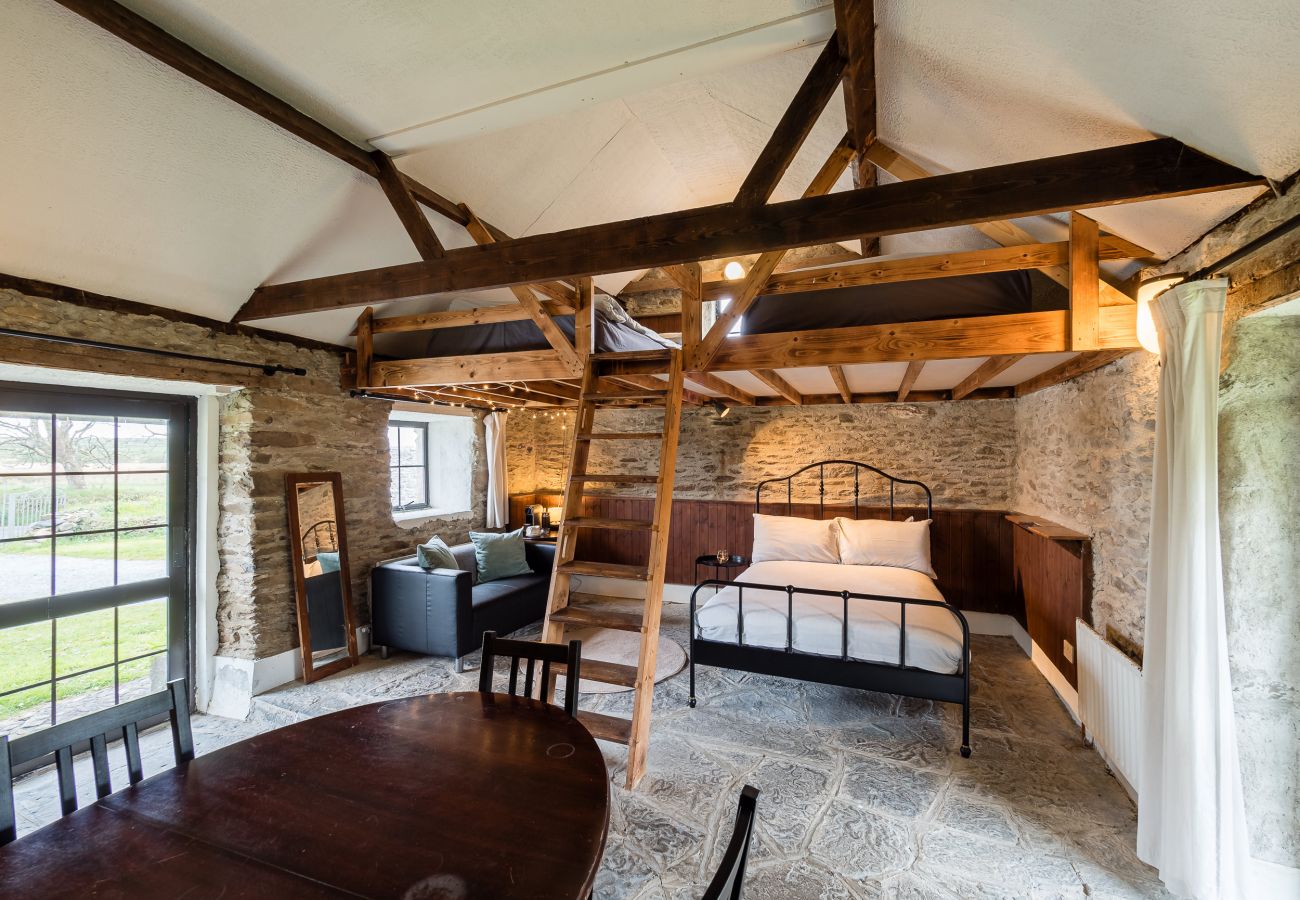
x: 446, y: 795
x: 721, y: 570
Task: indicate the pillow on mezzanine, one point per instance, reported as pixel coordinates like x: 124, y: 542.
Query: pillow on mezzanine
x: 880, y: 542
x: 793, y: 538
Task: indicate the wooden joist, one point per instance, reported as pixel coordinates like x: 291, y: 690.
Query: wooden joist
x: 989, y: 369
x: 795, y: 125
x: 909, y: 378
x: 719, y: 386
x: 1006, y: 233
x: 1020, y: 333
x: 841, y: 384
x: 778, y: 384
x: 1141, y: 171
x: 1071, y: 368
x: 407, y: 209
x: 888, y: 397
x: 523, y: 365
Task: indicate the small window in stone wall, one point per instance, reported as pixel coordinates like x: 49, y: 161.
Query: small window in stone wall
x: 430, y: 464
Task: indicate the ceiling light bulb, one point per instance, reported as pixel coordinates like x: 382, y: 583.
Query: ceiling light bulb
x: 733, y: 270
x: 1147, y: 334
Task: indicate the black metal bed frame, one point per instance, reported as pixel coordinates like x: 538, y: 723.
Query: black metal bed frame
x: 312, y: 535
x: 842, y: 670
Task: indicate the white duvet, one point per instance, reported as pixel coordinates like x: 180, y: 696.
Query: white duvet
x: 933, y: 633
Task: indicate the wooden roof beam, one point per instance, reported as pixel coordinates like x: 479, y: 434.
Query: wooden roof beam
x: 1141, y: 171
x: 855, y: 31
x: 408, y: 211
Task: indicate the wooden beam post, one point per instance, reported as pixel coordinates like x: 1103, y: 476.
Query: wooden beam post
x: 855, y: 30
x: 583, y: 333
x: 690, y: 278
x: 408, y: 211
x: 796, y: 123
x: 909, y: 378
x: 365, y: 347
x: 1084, y: 239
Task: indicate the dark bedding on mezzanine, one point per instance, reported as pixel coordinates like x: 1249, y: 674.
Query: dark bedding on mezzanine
x: 613, y: 330
x: 959, y: 297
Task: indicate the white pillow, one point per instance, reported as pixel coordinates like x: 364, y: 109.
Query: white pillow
x: 879, y: 542
x: 793, y: 538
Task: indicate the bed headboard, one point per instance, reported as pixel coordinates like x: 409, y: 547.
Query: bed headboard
x: 320, y: 537
x: 857, y: 467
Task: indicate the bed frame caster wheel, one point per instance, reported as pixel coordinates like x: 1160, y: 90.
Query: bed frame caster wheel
x: 965, y: 751
x: 691, y: 703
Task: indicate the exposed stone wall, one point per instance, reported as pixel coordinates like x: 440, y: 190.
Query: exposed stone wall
x: 964, y: 451
x: 1259, y: 505
x: 267, y: 428
x: 1083, y: 459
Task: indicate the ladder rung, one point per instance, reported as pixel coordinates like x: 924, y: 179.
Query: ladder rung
x: 606, y: 728
x: 605, y: 672
x: 615, y: 524
x: 621, y: 436
x: 604, y: 569
x: 612, y: 478
x: 591, y: 612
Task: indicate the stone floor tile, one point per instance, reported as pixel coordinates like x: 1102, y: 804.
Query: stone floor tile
x: 861, y: 845
x: 889, y: 787
x: 1013, y: 869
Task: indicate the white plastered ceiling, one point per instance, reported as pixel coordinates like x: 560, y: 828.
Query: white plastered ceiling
x: 121, y: 176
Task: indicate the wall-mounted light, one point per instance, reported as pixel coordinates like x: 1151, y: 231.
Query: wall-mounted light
x: 720, y: 409
x: 1148, y: 291
x: 733, y: 271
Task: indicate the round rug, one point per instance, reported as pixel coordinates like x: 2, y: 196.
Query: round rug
x: 611, y: 645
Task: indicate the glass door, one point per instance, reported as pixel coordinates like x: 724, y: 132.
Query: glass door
x: 96, y: 559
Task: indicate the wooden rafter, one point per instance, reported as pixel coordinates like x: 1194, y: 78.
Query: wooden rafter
x: 778, y: 384
x: 407, y: 209
x: 763, y: 268
x: 909, y: 378
x: 720, y: 386
x: 1084, y: 275
x: 1141, y: 171
x: 558, y: 340
x: 557, y: 389
x: 795, y: 125
x: 855, y: 30
x: 986, y: 371
x: 1008, y: 234
x: 841, y: 383
x: 922, y: 268
x: 1071, y: 368
x: 1019, y: 333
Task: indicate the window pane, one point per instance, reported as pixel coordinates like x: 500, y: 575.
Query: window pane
x: 24, y: 442
x: 27, y: 567
x: 413, y: 487
x: 393, y: 481
x: 83, y: 562
x: 393, y: 437
x: 24, y: 657
x: 83, y: 443
x: 142, y: 676
x: 141, y: 628
x: 141, y: 555
x: 411, y: 450
x: 25, y: 711
x: 82, y: 695
x: 141, y: 500
x: 141, y: 444
x: 85, y: 502
x: 84, y: 641
x: 25, y: 505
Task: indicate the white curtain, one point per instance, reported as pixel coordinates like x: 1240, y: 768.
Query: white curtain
x: 498, y: 492
x: 1191, y: 817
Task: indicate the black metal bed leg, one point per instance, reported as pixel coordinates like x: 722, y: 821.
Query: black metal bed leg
x: 965, y: 730
x: 691, y: 664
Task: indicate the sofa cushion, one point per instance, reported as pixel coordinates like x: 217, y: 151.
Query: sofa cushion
x: 490, y: 592
x: 500, y: 555
x: 435, y: 555
x: 466, y: 560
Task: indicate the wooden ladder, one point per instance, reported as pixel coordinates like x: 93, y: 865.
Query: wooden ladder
x: 566, y: 608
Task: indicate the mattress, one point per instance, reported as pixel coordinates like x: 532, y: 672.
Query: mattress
x: 613, y: 331
x: 934, y: 636
x: 963, y: 296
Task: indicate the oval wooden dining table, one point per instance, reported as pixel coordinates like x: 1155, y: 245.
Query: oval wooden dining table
x: 462, y: 795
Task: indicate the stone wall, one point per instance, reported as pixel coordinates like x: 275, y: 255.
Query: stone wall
x: 964, y: 451
x: 1259, y: 505
x: 1084, y: 451
x: 268, y: 427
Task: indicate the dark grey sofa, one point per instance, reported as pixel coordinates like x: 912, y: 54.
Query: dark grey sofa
x: 444, y: 612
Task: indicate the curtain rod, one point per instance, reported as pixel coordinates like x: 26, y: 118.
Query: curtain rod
x: 267, y: 368
x: 1248, y: 249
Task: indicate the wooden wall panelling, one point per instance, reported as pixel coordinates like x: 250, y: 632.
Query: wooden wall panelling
x: 1053, y: 582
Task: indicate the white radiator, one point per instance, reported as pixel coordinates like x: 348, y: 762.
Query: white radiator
x: 1110, y: 703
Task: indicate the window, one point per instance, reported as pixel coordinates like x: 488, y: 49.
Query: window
x: 408, y: 461
x: 94, y: 550
x: 431, y: 463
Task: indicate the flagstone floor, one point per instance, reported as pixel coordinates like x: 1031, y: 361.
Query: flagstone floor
x: 864, y: 796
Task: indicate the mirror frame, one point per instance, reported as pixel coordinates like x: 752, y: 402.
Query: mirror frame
x: 292, y: 480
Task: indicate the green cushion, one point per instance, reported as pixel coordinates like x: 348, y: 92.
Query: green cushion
x: 435, y: 555
x: 499, y: 555
x: 329, y: 562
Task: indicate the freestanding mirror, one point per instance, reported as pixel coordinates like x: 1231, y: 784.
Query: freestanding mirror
x: 322, y: 583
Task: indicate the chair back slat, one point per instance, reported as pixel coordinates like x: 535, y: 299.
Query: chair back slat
x: 569, y: 655
x: 728, y: 881
x: 96, y: 728
x: 99, y: 757
x: 131, y: 743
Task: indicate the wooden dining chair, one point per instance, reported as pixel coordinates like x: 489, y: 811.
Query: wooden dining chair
x: 728, y: 880
x: 568, y: 656
x: 98, y: 728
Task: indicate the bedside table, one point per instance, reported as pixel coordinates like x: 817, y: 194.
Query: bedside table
x: 721, y: 570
